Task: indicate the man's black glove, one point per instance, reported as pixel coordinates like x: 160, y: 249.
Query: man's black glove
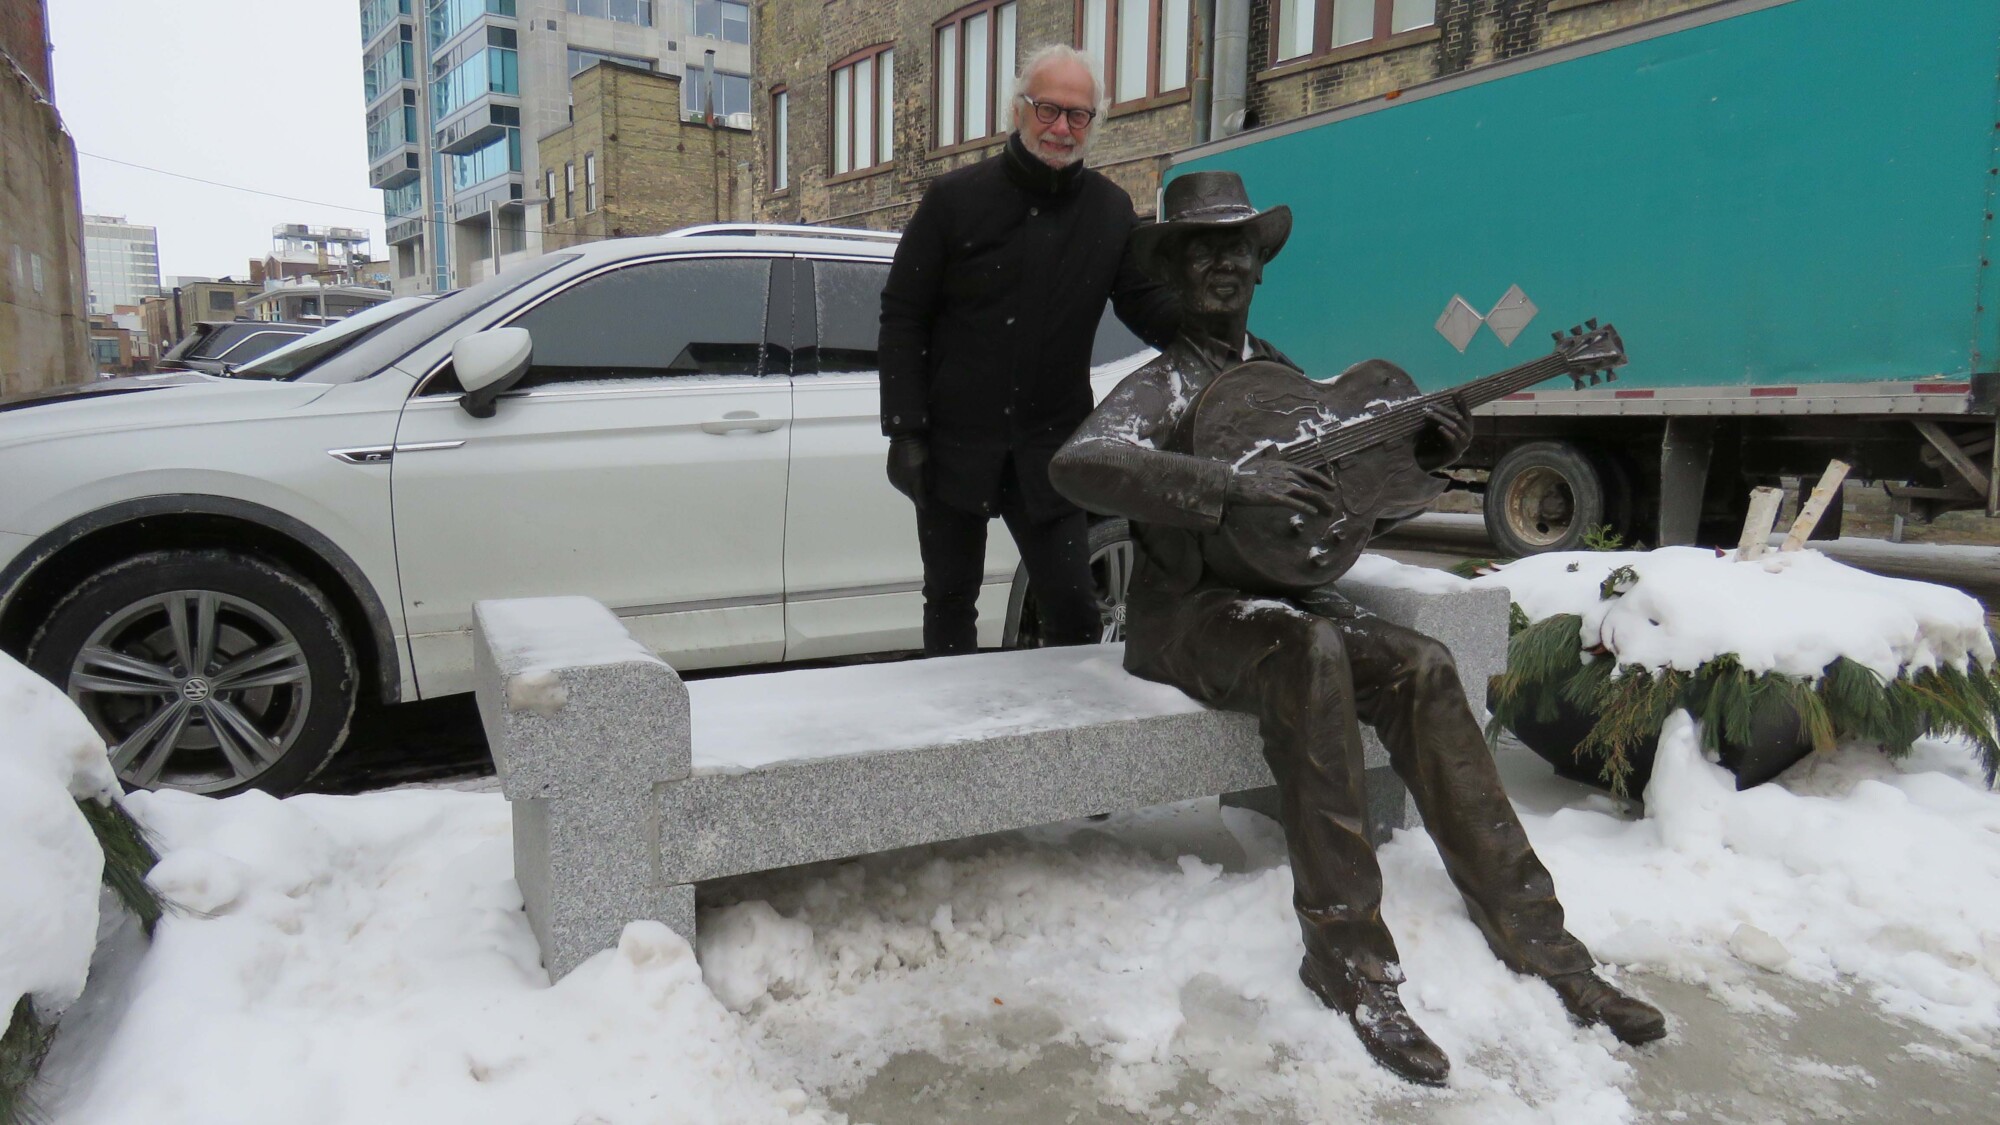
x: 910, y: 466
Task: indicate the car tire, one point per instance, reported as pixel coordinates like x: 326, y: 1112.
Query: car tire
x: 1113, y: 555
x: 1543, y: 496
x: 204, y: 670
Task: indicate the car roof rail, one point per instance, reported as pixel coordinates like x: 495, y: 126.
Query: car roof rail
x: 794, y: 229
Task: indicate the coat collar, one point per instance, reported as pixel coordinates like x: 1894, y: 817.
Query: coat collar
x: 1031, y: 175
x: 1219, y: 357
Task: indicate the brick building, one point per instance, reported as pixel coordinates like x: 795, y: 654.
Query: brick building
x: 44, y: 332
x: 855, y: 114
x: 632, y: 162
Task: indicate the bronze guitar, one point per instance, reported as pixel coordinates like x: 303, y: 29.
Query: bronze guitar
x: 1360, y: 429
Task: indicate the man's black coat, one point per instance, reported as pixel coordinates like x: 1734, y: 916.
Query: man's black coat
x: 989, y: 315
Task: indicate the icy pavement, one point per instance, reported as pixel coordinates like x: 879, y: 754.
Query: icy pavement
x: 364, y: 959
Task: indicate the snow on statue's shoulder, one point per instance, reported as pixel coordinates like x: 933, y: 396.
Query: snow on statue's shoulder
x: 538, y: 634
x: 50, y: 865
x: 1793, y: 612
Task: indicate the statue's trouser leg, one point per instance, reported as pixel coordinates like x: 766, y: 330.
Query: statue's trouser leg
x: 1288, y: 668
x: 1407, y: 688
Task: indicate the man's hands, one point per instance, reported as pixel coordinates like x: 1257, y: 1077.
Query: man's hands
x: 1445, y: 436
x: 910, y: 466
x: 1267, y: 482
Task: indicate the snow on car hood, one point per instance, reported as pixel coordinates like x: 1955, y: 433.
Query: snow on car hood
x: 145, y: 402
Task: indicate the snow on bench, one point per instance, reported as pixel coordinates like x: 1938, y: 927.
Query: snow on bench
x: 629, y: 786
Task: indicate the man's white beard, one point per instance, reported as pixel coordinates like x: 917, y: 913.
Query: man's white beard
x: 1072, y: 155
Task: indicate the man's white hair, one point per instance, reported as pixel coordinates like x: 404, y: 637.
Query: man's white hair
x: 1044, y: 56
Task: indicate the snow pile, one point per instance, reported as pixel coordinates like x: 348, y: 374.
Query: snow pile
x: 1689, y: 605
x: 1379, y: 570
x: 50, y: 865
x: 365, y: 959
x: 1849, y: 868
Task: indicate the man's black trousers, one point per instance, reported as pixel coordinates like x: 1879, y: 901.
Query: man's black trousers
x: 1055, y: 551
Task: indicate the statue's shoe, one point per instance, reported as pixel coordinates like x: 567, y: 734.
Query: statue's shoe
x: 1385, y: 1029
x: 1590, y: 1000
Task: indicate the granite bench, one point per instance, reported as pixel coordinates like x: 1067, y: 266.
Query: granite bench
x: 629, y: 786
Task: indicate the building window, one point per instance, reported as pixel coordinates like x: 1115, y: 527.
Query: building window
x: 722, y: 19
x: 624, y: 11
x: 974, y: 72
x: 1141, y: 46
x: 1312, y: 27
x: 589, y: 182
x: 221, y: 300
x: 732, y: 93
x: 781, y: 139
x: 569, y: 189
x: 863, y: 110
x: 548, y: 195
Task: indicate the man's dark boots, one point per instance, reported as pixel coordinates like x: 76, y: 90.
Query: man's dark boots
x: 1392, y: 1038
x: 1590, y: 1000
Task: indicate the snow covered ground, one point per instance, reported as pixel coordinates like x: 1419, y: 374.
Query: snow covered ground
x: 364, y: 959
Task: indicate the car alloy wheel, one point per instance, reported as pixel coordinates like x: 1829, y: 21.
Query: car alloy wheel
x: 199, y: 689
x: 204, y: 670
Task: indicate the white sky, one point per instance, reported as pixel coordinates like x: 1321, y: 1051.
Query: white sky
x: 263, y: 94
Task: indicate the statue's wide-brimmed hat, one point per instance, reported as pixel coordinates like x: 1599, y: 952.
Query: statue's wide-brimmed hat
x: 1210, y: 201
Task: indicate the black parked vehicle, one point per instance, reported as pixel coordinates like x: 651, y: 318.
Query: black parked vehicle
x: 214, y: 346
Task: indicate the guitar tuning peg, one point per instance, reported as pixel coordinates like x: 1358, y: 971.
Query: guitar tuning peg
x: 1575, y: 379
x: 1593, y: 378
x: 1558, y: 335
x: 1591, y: 324
x: 1610, y: 376
x: 1576, y: 330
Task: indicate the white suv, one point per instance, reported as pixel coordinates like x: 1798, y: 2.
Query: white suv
x: 216, y: 569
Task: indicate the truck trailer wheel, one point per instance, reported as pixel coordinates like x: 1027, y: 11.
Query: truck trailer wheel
x: 1543, y: 496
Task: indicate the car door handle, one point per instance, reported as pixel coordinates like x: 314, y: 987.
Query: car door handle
x: 741, y: 420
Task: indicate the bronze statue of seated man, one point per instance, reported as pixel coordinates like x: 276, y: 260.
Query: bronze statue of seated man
x: 1308, y: 664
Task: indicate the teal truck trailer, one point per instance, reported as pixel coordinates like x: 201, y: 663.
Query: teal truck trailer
x: 1786, y: 207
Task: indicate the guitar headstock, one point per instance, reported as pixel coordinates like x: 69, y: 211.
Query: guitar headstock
x: 1590, y: 351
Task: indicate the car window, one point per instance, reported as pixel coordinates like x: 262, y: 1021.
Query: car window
x: 848, y: 298
x: 254, y: 345
x: 1114, y: 341
x: 653, y: 320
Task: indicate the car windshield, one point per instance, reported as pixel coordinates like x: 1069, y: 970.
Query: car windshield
x: 295, y: 358
x: 375, y: 349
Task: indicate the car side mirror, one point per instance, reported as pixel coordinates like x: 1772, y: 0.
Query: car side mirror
x: 488, y: 364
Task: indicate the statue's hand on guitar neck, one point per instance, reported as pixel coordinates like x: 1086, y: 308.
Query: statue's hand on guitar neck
x: 1445, y: 436
x: 1266, y: 482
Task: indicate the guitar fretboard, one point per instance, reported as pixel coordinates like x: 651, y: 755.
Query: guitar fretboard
x: 1408, y: 416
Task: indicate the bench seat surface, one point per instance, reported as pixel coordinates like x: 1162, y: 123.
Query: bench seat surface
x: 744, y: 723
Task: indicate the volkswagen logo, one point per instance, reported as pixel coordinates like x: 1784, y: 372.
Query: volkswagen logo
x: 194, y: 690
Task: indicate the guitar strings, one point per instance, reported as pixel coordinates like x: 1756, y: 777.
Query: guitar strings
x: 1409, y: 417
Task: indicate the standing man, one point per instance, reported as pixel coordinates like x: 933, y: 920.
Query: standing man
x: 987, y: 323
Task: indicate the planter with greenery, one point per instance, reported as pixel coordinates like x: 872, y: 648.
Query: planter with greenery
x: 1773, y: 657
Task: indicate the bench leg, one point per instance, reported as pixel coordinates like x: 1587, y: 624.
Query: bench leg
x: 587, y: 866
x: 1389, y: 803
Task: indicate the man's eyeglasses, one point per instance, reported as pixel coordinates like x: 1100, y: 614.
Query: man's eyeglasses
x: 1047, y: 112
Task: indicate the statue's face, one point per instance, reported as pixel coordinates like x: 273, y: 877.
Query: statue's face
x: 1217, y: 271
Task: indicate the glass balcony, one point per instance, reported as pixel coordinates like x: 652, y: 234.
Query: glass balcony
x: 449, y: 17
x: 379, y: 14
x: 490, y: 70
x: 496, y: 159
